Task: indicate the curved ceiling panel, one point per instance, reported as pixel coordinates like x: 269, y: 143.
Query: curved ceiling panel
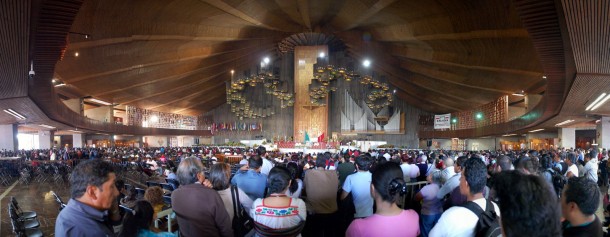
x: 174, y: 56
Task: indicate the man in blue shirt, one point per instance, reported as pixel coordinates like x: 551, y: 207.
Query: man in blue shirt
x: 359, y: 184
x: 93, y: 208
x: 252, y: 182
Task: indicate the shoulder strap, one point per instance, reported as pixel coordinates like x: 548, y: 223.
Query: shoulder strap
x: 473, y: 207
x: 235, y: 204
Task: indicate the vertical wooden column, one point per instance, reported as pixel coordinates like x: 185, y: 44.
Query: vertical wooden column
x: 307, y: 118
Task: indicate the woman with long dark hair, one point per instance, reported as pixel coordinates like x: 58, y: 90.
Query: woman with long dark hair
x: 139, y: 221
x: 387, y: 185
x: 296, y: 184
x: 278, y: 214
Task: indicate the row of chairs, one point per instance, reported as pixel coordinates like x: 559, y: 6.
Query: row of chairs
x: 24, y: 223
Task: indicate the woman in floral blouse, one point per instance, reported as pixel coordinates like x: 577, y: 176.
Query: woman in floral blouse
x: 278, y: 214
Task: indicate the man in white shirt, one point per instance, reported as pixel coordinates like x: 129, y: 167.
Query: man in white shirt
x: 359, y: 184
x: 454, y: 181
x: 459, y: 221
x: 448, y: 170
x: 591, y: 166
x: 267, y: 165
x: 572, y: 168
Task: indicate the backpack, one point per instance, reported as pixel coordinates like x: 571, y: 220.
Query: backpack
x: 488, y: 224
x: 559, y: 181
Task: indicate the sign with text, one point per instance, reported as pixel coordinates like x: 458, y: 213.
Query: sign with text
x: 442, y: 121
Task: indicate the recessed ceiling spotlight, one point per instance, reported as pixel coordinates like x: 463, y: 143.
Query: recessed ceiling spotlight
x: 75, y: 54
x: 322, y: 54
x: 543, y: 77
x: 232, y: 71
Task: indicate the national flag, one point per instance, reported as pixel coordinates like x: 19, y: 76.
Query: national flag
x: 306, y: 136
x: 321, y: 138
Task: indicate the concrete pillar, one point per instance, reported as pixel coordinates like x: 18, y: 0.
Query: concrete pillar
x: 78, y: 140
x: 567, y: 137
x: 8, y: 137
x: 45, y: 139
x: 603, y: 133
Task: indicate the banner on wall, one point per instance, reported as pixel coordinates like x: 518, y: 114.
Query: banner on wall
x: 442, y: 121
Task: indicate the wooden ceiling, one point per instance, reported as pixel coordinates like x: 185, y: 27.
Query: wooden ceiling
x: 175, y: 56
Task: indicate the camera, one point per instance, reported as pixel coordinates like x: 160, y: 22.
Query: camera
x: 32, y: 73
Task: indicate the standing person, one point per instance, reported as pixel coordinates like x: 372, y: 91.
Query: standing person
x: 571, y: 163
x: 197, y: 217
x: 358, y: 184
x: 389, y: 220
x: 252, y: 181
x: 321, y: 186
x: 529, y: 207
x: 278, y: 214
x: 579, y: 202
x: 591, y: 166
x: 472, y: 183
x: 93, y: 208
x: 346, y: 168
x: 448, y: 170
x: 296, y: 184
x: 432, y: 206
x: 603, y: 168
x: 267, y: 164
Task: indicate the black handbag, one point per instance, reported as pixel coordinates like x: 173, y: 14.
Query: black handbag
x: 242, y: 223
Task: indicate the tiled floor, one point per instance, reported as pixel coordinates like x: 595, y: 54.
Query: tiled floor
x: 37, y: 197
x: 34, y: 197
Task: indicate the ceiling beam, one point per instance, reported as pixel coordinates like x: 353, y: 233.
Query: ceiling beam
x: 235, y: 47
x: 371, y: 11
x: 241, y: 15
x: 304, y: 10
x: 389, y: 34
x: 146, y: 38
x: 472, y: 67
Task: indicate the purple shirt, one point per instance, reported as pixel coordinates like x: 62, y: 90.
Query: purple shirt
x: 405, y: 224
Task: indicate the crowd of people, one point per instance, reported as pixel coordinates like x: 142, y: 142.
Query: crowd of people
x: 353, y: 193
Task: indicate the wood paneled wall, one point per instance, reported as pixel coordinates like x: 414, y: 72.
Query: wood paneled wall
x: 309, y: 120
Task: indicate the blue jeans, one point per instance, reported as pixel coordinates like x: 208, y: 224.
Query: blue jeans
x: 427, y: 222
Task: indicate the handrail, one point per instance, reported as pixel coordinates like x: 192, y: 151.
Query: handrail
x: 167, y: 212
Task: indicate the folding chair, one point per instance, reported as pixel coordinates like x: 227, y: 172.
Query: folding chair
x: 19, y: 230
x: 21, y: 213
x: 26, y: 223
x: 140, y: 193
x: 59, y: 201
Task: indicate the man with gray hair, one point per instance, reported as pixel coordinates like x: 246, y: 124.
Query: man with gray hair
x: 448, y: 170
x: 199, y: 209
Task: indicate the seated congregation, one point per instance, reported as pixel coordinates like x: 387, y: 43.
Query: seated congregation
x: 375, y: 193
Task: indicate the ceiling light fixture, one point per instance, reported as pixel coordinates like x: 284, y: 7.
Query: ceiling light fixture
x: 99, y: 101
x: 599, y: 98
x: 60, y: 84
x: 14, y: 113
x: 322, y: 54
x: 537, y: 130
x: 46, y: 126
x: 76, y: 54
x: 564, y: 122
x: 366, y: 63
x: 508, y: 135
x: 601, y: 103
x: 75, y: 131
x: 266, y: 60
